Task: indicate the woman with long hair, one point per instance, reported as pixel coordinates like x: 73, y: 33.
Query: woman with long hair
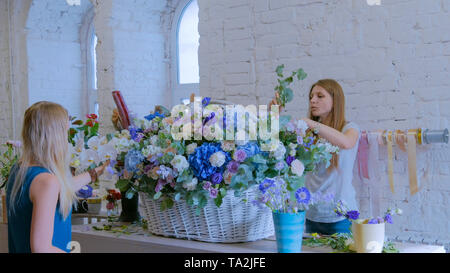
x: 327, y: 116
x: 41, y: 190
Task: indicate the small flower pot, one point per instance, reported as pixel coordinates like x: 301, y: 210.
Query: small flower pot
x: 289, y: 231
x: 368, y: 238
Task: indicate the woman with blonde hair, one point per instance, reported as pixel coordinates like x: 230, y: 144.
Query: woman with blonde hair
x: 41, y: 190
x: 327, y: 116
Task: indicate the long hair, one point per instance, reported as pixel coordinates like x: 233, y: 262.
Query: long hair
x: 45, y: 142
x: 337, y: 118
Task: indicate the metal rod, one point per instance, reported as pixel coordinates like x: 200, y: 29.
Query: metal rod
x: 435, y: 136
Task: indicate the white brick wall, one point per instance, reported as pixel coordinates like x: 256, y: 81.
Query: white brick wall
x: 392, y: 61
x: 54, y: 53
x: 5, y: 95
x: 134, y: 54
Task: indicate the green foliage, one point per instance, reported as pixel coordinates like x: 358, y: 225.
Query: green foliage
x: 7, y: 160
x: 284, y: 91
x: 340, y: 242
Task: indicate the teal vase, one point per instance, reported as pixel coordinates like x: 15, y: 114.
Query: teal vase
x: 289, y: 231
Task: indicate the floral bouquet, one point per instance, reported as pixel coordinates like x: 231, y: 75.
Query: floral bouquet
x: 112, y: 197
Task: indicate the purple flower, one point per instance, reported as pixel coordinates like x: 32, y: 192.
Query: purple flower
x: 302, y: 195
x: 216, y: 178
x: 208, y: 118
x: 373, y: 221
x: 289, y: 160
x: 205, y: 101
x: 207, y: 186
x: 353, y: 214
x: 388, y: 218
x: 160, y: 185
x: 266, y: 184
x: 213, y: 192
x: 233, y: 166
x: 300, y: 140
x: 240, y: 155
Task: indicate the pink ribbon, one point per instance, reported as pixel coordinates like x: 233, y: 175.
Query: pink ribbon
x: 363, y: 156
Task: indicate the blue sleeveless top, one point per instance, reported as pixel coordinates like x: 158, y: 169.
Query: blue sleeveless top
x: 19, y: 221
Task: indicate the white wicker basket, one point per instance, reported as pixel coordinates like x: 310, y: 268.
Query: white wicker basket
x: 234, y: 221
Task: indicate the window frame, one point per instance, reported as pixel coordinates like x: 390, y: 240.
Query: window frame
x: 180, y: 91
x: 90, y: 92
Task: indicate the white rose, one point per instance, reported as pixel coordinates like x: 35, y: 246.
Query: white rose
x: 217, y: 159
x: 297, y: 167
x: 180, y: 163
x: 190, y: 149
x: 190, y: 185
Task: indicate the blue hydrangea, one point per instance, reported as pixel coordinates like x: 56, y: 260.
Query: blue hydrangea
x: 199, y: 161
x: 251, y: 148
x: 132, y: 159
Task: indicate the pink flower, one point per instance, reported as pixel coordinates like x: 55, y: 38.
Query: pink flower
x: 110, y: 205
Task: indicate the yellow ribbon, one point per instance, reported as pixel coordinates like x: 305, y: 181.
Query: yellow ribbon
x: 390, y: 161
x: 412, y: 169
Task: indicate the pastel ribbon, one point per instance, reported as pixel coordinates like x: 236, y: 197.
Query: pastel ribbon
x: 363, y: 156
x: 412, y: 166
x: 400, y: 139
x: 390, y: 161
x: 375, y: 185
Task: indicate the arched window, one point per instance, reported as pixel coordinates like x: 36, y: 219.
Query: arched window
x: 185, y: 68
x: 89, y: 43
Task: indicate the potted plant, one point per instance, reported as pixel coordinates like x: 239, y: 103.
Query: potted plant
x: 368, y: 233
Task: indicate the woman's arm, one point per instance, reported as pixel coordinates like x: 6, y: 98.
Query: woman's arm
x: 83, y: 179
x: 345, y: 140
x: 44, y: 194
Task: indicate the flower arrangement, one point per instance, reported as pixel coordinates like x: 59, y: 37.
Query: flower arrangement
x: 8, y: 159
x: 149, y: 159
x: 274, y: 193
x: 112, y: 197
x: 354, y: 215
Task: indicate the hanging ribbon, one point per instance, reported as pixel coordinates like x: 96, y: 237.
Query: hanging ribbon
x: 363, y: 151
x: 412, y: 166
x: 390, y: 161
x: 375, y: 187
x: 400, y: 139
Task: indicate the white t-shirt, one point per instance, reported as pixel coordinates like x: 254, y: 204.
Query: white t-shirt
x: 338, y: 181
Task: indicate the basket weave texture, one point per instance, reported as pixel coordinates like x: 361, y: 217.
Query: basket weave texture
x: 234, y: 221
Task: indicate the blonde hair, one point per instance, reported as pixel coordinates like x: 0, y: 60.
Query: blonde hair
x: 45, y: 142
x: 337, y: 118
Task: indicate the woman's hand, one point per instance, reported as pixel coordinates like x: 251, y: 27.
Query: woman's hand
x: 101, y: 169
x: 275, y: 102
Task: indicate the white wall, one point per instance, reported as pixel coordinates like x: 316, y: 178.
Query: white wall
x: 54, y: 53
x: 392, y: 61
x: 5, y: 96
x: 134, y: 54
